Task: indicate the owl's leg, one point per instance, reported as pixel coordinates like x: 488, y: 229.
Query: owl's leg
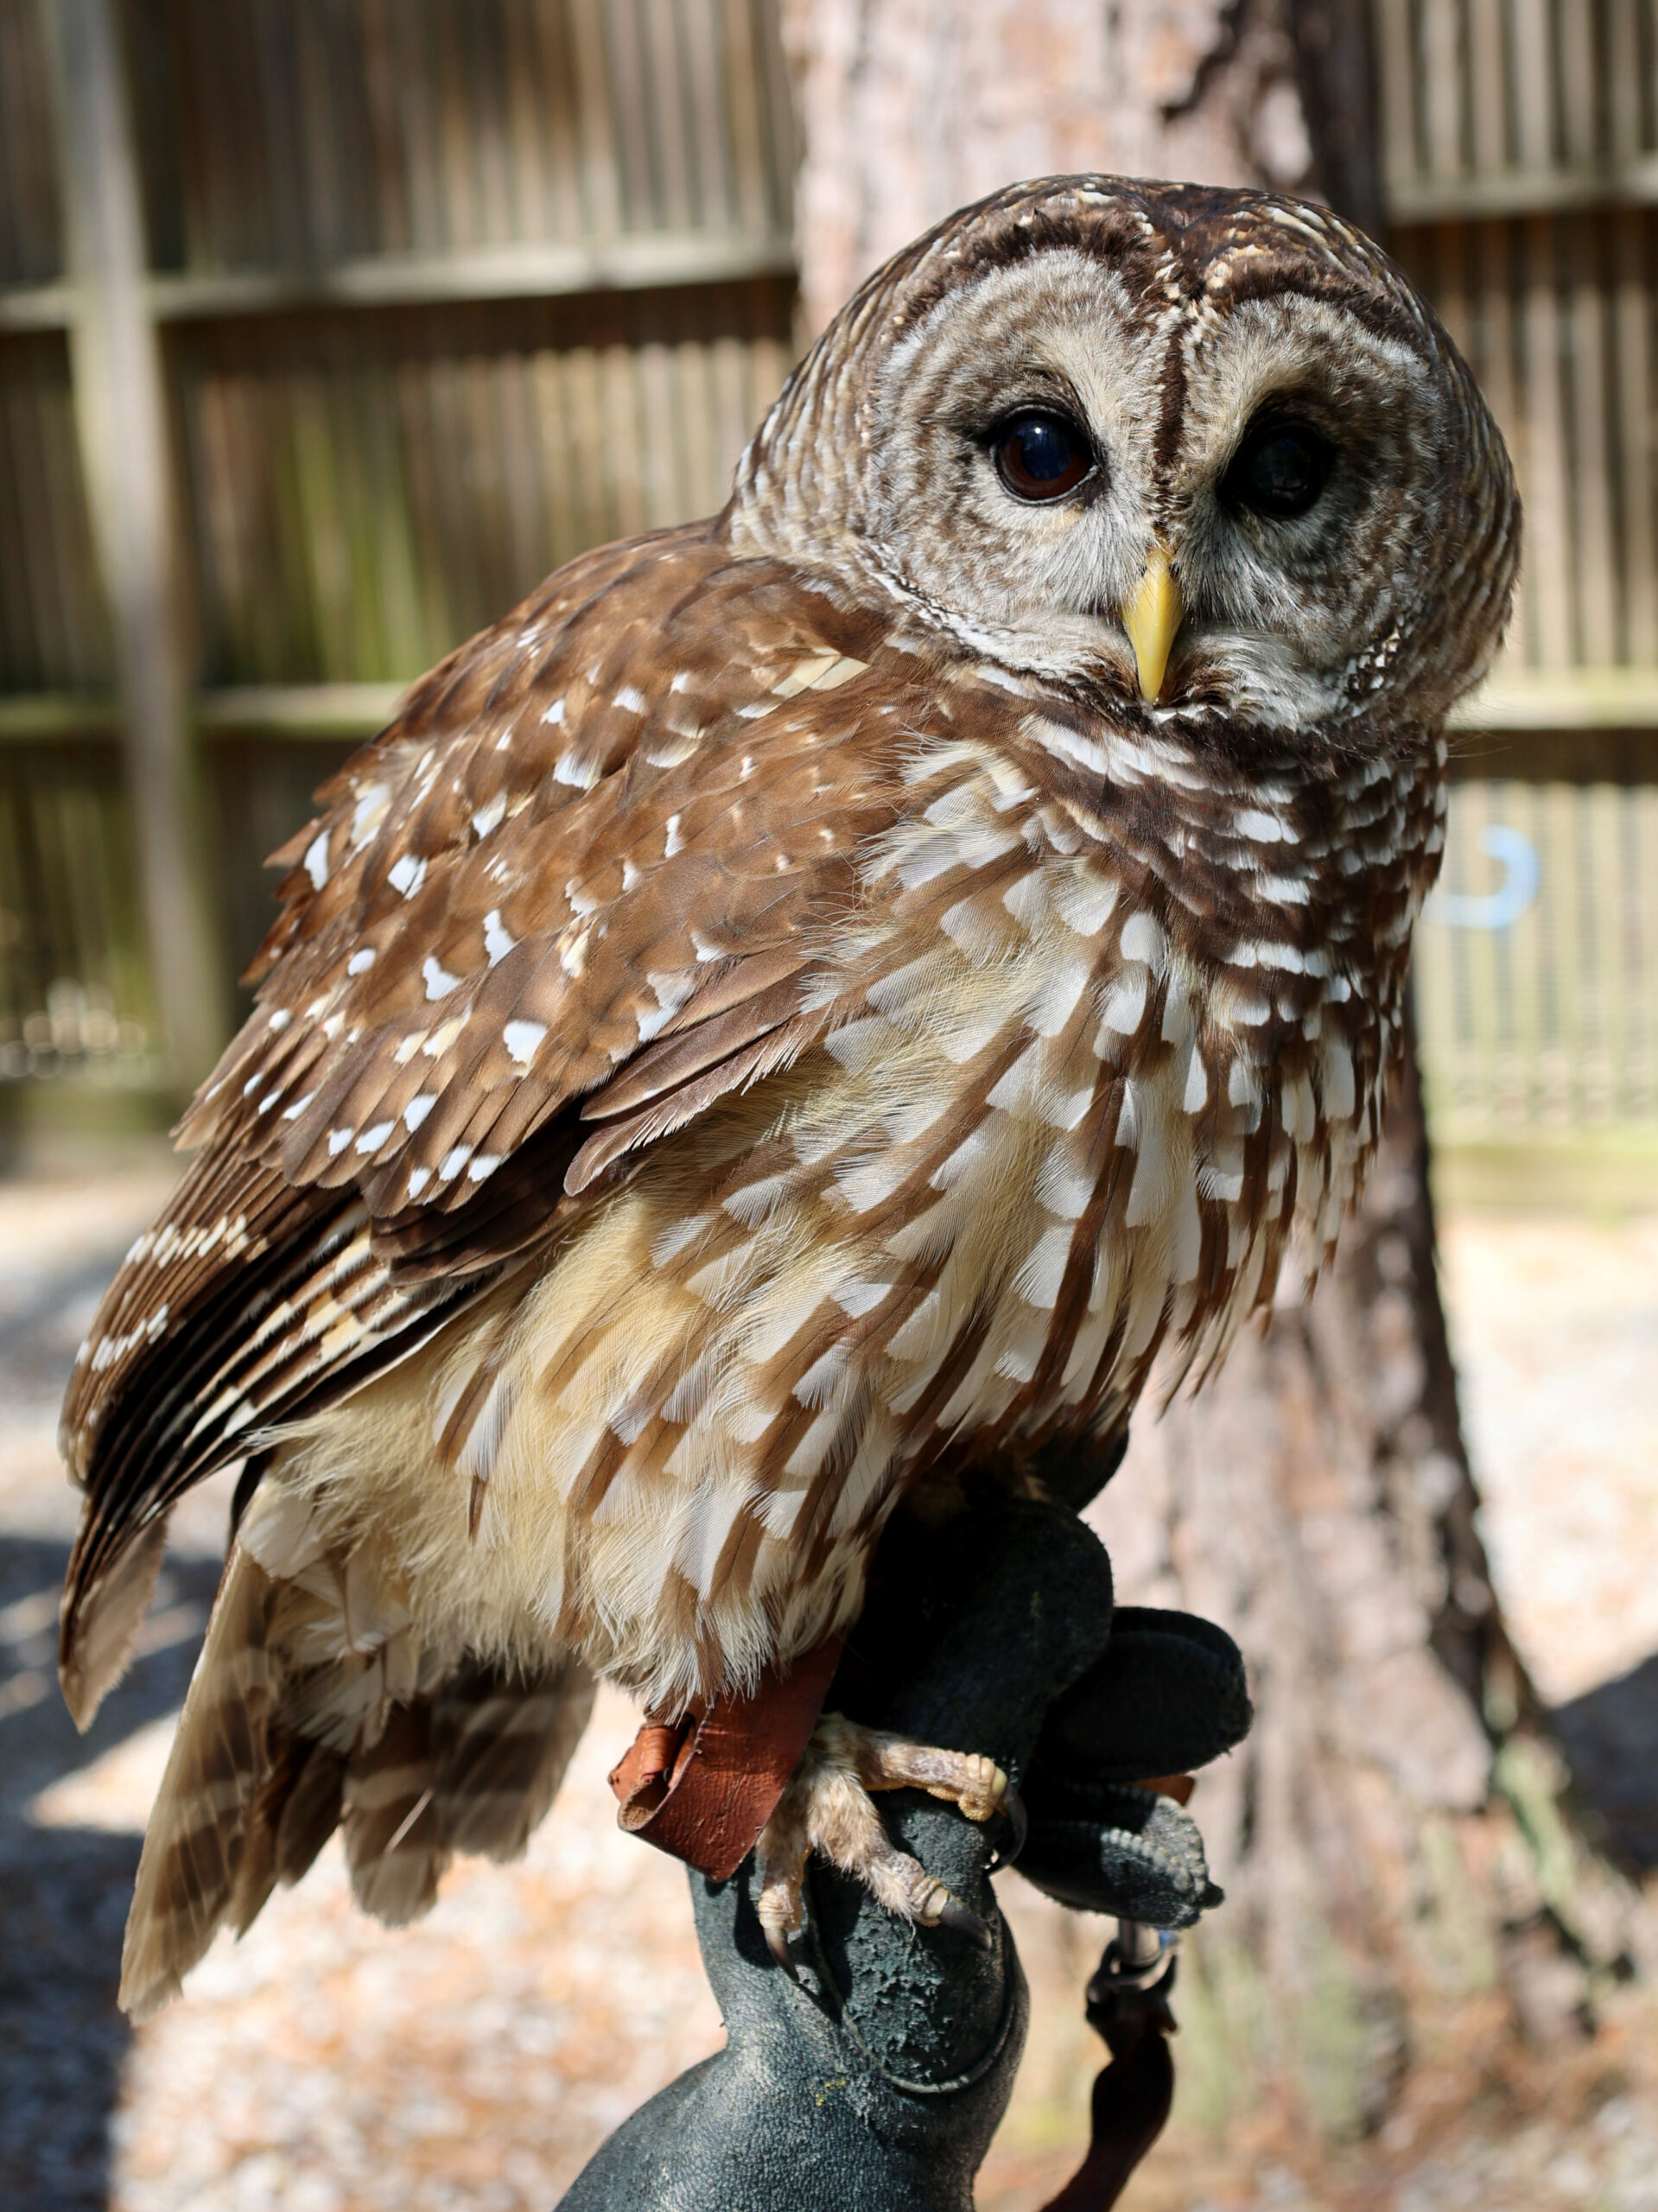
x: 828, y: 1806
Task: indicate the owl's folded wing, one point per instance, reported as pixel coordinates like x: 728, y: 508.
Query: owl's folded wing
x: 568, y: 899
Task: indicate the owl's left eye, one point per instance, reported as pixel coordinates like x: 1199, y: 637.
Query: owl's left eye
x: 1041, y: 455
x: 1279, y: 471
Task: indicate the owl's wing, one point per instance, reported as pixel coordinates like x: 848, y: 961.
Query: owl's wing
x: 567, y: 900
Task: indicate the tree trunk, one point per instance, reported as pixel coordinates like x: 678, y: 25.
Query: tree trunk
x: 1403, y: 1882
x: 911, y: 108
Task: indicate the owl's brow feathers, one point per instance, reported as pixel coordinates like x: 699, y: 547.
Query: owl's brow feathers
x: 715, y: 843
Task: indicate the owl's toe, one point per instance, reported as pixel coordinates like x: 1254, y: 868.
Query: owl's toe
x: 828, y: 1806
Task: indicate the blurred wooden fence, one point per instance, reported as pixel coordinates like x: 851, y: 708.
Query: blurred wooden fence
x: 1520, y: 162
x: 444, y: 290
x: 1537, y: 974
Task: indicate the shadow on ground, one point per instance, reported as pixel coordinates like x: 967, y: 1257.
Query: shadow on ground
x: 1609, y: 1736
x: 64, y: 1889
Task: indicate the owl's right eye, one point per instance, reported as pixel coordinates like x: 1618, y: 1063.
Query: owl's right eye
x: 1041, y: 455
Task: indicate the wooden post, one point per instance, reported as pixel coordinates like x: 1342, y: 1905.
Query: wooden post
x: 120, y: 413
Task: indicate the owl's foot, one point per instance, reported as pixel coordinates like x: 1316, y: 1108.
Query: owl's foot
x: 828, y: 1806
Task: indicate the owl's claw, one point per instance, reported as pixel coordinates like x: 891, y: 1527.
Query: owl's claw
x: 954, y: 1914
x: 1018, y: 1826
x: 828, y: 1807
x: 776, y: 1942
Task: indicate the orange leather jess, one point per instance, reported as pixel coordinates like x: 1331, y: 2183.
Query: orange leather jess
x: 702, y: 1786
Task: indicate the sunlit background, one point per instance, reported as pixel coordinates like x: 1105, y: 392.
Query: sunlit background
x: 412, y: 300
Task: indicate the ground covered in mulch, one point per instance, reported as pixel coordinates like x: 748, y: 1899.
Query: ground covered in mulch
x: 326, y: 2065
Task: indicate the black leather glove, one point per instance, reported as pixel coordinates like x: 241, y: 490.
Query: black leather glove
x: 1167, y: 1695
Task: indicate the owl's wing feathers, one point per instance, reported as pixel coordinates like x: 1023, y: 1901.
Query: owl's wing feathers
x: 580, y: 874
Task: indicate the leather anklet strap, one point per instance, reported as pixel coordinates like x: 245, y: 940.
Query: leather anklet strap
x: 702, y: 1785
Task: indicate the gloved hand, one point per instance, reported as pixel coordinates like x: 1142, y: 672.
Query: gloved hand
x: 1107, y: 1832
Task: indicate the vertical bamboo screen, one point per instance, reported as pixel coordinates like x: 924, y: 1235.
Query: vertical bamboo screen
x: 448, y: 289
x: 1519, y: 156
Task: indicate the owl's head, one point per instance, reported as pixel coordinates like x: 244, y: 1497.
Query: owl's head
x: 1194, y: 452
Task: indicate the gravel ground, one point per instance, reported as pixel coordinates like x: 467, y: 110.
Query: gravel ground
x: 325, y: 2065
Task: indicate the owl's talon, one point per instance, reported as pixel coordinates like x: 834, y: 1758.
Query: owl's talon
x: 954, y: 1914
x: 828, y: 1807
x: 776, y: 1942
x: 1018, y: 1826
x: 780, y: 1864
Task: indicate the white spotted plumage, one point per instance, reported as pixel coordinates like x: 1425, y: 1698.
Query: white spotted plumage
x: 781, y: 1010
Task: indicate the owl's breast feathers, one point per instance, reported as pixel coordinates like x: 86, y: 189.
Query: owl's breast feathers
x: 713, y: 1054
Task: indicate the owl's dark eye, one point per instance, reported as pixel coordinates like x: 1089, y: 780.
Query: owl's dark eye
x: 1279, y: 471
x: 1041, y: 457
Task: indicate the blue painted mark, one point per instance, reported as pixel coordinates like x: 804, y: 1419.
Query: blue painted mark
x: 1502, y: 908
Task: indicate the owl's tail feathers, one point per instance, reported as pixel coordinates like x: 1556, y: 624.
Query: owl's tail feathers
x: 474, y: 1767
x: 311, y: 1708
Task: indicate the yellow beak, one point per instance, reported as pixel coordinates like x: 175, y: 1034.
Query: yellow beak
x: 1152, y: 617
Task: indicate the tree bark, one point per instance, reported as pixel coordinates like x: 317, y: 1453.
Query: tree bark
x: 1400, y: 1873
x: 911, y: 108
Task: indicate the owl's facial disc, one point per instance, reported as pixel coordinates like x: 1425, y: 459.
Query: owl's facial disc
x: 1196, y: 511
x: 1201, y: 456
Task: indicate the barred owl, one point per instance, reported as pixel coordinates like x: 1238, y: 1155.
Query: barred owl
x: 808, y: 1000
